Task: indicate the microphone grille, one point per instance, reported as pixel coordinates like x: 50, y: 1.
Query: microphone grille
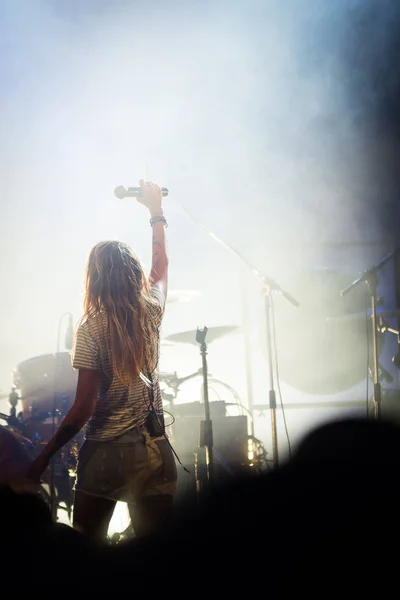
x: 120, y: 192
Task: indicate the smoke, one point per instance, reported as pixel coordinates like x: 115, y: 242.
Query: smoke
x: 248, y: 112
x: 372, y: 55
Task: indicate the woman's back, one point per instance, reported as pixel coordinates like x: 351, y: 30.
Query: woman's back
x: 119, y: 407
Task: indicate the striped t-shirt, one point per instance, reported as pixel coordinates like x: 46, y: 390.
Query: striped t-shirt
x: 118, y: 408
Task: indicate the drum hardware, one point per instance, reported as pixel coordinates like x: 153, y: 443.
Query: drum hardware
x: 370, y: 278
x: 174, y: 382
x: 396, y: 360
x: 383, y: 327
x: 13, y: 419
x: 19, y: 429
x: 13, y: 402
x: 168, y: 398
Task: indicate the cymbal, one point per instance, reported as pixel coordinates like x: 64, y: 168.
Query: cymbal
x: 182, y: 296
x: 213, y: 333
x: 166, y: 343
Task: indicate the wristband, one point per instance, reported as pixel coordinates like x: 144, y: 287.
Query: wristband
x: 155, y: 220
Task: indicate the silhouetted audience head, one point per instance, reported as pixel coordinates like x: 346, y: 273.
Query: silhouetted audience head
x: 304, y: 526
x: 21, y: 510
x: 351, y: 442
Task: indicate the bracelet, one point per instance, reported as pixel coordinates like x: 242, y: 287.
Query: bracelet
x: 155, y: 220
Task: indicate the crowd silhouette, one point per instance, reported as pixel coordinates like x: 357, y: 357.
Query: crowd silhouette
x: 325, y: 521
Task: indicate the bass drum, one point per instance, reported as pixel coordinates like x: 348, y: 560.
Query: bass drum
x: 322, y: 345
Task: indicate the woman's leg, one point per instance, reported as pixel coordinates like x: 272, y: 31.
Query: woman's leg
x: 151, y: 514
x: 92, y: 514
x: 154, y: 508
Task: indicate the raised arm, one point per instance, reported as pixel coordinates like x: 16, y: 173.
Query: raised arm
x: 152, y: 198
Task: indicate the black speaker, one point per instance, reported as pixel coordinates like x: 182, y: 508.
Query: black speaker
x: 230, y: 450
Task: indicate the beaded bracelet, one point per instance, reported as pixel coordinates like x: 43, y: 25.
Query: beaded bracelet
x: 154, y: 220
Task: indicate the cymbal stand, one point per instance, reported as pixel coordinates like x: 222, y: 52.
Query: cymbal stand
x: 268, y: 285
x: 13, y: 402
x: 272, y: 394
x: 370, y: 277
x: 383, y: 327
x: 12, y: 418
x: 206, y: 432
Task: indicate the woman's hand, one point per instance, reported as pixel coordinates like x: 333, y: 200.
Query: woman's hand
x: 151, y: 197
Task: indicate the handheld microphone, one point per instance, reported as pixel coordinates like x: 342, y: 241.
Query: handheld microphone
x: 133, y: 192
x: 69, y: 335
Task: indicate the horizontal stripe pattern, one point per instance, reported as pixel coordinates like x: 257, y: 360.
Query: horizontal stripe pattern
x: 118, y: 408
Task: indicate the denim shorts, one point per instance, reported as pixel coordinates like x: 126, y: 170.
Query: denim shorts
x: 127, y: 468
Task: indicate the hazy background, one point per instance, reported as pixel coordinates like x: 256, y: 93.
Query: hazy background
x: 265, y: 119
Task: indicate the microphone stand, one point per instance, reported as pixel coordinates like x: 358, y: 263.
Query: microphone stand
x: 370, y: 277
x: 268, y: 285
x: 206, y: 432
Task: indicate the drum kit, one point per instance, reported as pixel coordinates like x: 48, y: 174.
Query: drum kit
x: 45, y: 385
x: 44, y: 389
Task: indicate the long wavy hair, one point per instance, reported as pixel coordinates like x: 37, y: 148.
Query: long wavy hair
x: 116, y: 284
